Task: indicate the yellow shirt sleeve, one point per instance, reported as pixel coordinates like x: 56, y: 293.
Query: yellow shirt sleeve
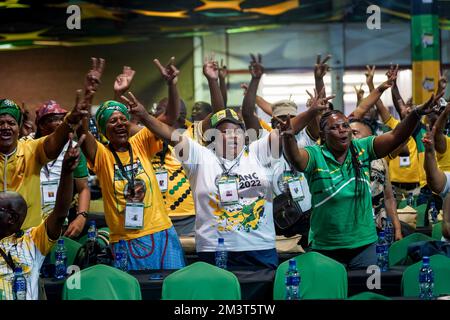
x: 392, y: 122
x: 147, y: 141
x: 41, y: 239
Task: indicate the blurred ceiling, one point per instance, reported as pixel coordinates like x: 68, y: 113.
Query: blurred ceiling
x: 29, y: 24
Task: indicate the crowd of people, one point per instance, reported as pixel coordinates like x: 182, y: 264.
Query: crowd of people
x: 331, y: 178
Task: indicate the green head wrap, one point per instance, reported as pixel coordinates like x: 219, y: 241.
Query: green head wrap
x: 10, y: 107
x: 105, y: 111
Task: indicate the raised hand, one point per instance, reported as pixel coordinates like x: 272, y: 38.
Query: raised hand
x: 94, y: 75
x: 223, y: 71
x: 442, y: 83
x: 317, y: 102
x: 285, y: 127
x: 256, y: 68
x: 244, y: 86
x: 169, y: 72
x: 428, y: 139
x: 321, y: 67
x: 123, y: 80
x: 79, y: 110
x: 370, y: 73
x: 72, y: 155
x: 393, y: 71
x: 430, y: 106
x: 359, y: 92
x: 211, y: 68
x: 136, y: 109
x: 392, y: 76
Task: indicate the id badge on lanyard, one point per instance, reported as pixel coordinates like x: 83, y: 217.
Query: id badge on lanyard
x: 228, y: 190
x: 294, y: 185
x: 48, y: 192
x: 162, y: 178
x: 405, y: 162
x: 134, y: 215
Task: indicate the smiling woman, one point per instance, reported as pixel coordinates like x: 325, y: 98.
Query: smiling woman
x: 22, y: 160
x: 337, y: 171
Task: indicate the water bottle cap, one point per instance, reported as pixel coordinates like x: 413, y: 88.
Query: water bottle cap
x: 92, y: 223
x: 381, y: 234
x: 60, y: 241
x: 292, y: 263
x: 426, y: 259
x: 18, y: 270
x: 221, y: 241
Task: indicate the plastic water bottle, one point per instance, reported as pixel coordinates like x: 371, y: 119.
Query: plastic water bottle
x: 92, y: 232
x: 221, y: 254
x: 382, y: 252
x: 410, y: 200
x: 292, y: 281
x: 432, y: 213
x: 60, y: 260
x: 426, y: 280
x: 121, y: 256
x: 389, y: 231
x: 19, y: 285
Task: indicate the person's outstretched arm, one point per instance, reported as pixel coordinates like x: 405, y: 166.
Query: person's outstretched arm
x: 170, y: 74
x: 248, y: 104
x: 211, y: 72
x: 223, y: 73
x: 372, y: 98
x: 391, y: 205
x: 440, y: 142
x: 436, y: 179
x: 389, y: 141
x: 320, y: 70
x: 297, y: 157
x: 65, y: 190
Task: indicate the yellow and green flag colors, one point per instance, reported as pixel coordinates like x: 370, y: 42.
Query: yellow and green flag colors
x: 425, y: 49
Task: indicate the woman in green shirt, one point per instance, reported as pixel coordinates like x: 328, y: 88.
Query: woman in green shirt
x: 338, y: 174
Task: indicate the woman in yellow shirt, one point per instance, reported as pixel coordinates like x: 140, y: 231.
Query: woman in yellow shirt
x: 134, y: 207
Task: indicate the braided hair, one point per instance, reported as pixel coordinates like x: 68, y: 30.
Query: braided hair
x: 356, y: 164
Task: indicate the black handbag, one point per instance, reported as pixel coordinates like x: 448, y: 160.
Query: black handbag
x: 286, y: 211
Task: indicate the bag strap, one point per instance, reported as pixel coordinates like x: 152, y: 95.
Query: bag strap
x: 8, y: 259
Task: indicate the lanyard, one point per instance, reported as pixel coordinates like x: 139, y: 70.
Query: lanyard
x: 162, y: 154
x: 47, y: 170
x: 8, y: 259
x: 225, y: 171
x: 122, y: 169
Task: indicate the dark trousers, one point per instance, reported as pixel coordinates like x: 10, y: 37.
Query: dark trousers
x: 260, y: 258
x: 356, y: 258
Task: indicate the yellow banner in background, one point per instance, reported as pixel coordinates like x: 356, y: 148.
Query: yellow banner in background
x: 426, y: 76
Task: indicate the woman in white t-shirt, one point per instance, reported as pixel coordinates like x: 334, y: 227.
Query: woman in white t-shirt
x: 231, y: 186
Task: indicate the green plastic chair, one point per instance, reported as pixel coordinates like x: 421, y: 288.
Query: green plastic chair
x: 321, y: 278
x: 367, y: 295
x: 101, y: 282
x: 441, y: 269
x: 401, y: 204
x: 398, y: 251
x: 436, y: 233
x: 201, y: 281
x: 72, y: 247
x: 420, y: 218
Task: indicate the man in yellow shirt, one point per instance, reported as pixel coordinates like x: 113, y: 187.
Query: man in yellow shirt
x: 21, y: 160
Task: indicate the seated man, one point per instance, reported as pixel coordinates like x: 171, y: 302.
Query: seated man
x: 27, y: 249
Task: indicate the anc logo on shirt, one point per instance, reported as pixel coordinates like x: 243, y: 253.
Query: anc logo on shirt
x: 245, y: 216
x: 142, y: 186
